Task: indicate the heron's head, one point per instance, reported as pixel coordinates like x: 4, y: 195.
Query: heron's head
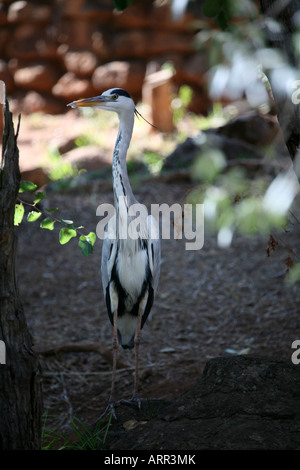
x: 115, y: 99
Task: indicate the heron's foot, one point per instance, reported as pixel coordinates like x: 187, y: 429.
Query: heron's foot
x: 138, y: 400
x: 110, y: 409
x: 130, y: 401
x: 112, y: 405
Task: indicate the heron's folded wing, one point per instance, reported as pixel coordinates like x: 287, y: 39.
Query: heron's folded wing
x: 109, y: 251
x: 154, y: 253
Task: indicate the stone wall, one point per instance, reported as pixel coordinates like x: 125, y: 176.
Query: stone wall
x: 52, y: 52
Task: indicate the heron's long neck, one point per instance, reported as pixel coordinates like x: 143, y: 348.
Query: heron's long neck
x: 121, y: 182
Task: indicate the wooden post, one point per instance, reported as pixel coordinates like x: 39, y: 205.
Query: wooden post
x: 157, y: 91
x: 20, y: 391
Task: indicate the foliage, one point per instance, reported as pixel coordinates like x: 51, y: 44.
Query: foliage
x: 67, y: 231
x: 242, y: 64
x: 59, y: 169
x: 181, y: 103
x: 154, y: 161
x: 87, y: 439
x: 225, y: 10
x: 122, y: 4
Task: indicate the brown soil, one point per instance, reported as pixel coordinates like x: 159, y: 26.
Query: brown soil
x: 209, y: 301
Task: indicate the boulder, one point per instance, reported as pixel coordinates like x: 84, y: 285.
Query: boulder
x: 77, y: 34
x: 31, y: 43
x: 28, y: 12
x: 88, y: 157
x: 127, y: 75
x: 101, y: 12
x: 239, y: 403
x: 34, y: 102
x: 254, y: 128
x: 165, y: 42
x: 35, y: 175
x: 81, y: 63
x: 36, y: 76
x: 130, y: 43
x: 46, y: 103
x: 70, y: 88
x: 101, y: 46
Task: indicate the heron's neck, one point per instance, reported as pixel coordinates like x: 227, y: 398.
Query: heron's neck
x: 121, y: 182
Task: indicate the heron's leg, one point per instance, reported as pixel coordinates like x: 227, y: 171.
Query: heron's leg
x: 136, y: 346
x: 115, y: 350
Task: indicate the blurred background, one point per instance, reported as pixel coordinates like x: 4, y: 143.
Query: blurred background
x: 54, y: 51
x: 220, y: 80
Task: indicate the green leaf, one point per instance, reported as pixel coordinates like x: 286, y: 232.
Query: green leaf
x: 66, y: 234
x: 33, y: 216
x: 67, y: 223
x: 86, y: 243
x: 91, y: 238
x: 39, y: 197
x: 51, y: 210
x: 85, y: 247
x: 19, y: 213
x: 27, y: 186
x: 211, y: 8
x: 47, y: 223
x: 122, y: 4
x: 222, y: 20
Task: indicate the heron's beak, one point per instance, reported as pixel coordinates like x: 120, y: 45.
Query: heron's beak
x: 89, y: 102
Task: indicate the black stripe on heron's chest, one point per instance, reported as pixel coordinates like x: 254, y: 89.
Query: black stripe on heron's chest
x: 117, y: 172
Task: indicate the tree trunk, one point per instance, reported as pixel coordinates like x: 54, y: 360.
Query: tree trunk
x: 20, y: 390
x: 288, y: 113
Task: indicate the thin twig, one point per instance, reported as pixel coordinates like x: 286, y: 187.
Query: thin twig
x: 80, y: 347
x: 48, y: 214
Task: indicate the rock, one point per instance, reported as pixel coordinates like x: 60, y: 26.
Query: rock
x: 81, y: 63
x: 27, y: 11
x: 147, y: 45
x: 127, y: 75
x: 46, y: 103
x: 134, y: 41
x: 63, y: 143
x: 35, y: 175
x: 88, y: 9
x: 5, y: 38
x: 239, y: 403
x: 244, y: 137
x: 34, y: 102
x: 101, y: 45
x: 254, y: 128
x: 77, y: 34
x: 144, y: 15
x: 36, y: 76
x: 88, y: 157
x: 164, y: 42
x: 30, y: 43
x: 3, y: 14
x: 186, y: 152
x: 70, y: 88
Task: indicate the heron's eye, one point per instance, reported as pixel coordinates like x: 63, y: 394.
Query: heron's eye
x: 115, y: 97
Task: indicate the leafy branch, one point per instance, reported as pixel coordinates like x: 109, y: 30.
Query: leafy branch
x: 68, y: 230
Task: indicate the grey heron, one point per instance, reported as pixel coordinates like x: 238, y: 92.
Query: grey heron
x: 130, y: 266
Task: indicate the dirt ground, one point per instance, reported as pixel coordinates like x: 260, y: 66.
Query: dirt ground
x: 212, y: 302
